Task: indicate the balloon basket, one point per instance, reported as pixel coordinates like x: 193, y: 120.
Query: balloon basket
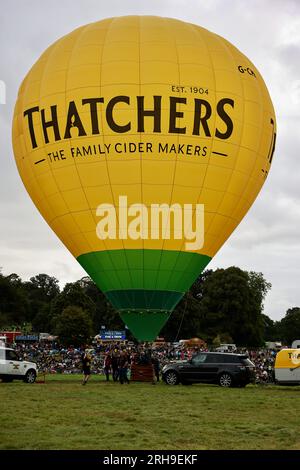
x: 141, y: 373
x: 41, y: 378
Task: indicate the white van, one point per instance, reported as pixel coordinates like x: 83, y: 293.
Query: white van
x: 287, y: 367
x: 13, y: 368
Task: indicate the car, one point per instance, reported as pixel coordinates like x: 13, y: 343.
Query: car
x: 225, y: 369
x: 14, y: 368
x: 226, y: 348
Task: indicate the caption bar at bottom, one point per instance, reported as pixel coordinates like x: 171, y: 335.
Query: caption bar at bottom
x: 150, y: 459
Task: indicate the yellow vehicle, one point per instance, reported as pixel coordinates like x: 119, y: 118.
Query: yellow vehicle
x: 287, y: 367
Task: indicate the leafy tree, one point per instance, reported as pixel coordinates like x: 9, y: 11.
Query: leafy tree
x: 271, y: 330
x: 259, y: 287
x: 42, y: 321
x: 26, y: 328
x: 72, y: 295
x: 105, y: 314
x: 13, y: 301
x: 198, y: 286
x: 223, y: 338
x: 14, y: 279
x: 184, y: 321
x: 222, y: 306
x: 289, y: 326
x: 46, y: 287
x: 216, y: 341
x: 230, y: 305
x: 41, y: 290
x: 74, y: 326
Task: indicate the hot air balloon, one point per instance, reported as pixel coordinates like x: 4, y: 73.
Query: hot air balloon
x: 143, y: 142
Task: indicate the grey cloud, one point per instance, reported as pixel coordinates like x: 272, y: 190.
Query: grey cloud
x: 267, y: 239
x: 289, y: 56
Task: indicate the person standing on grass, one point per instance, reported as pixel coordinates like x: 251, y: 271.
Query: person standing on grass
x: 86, y: 366
x: 115, y: 365
x: 123, y: 367
x: 107, y: 365
x: 156, y: 367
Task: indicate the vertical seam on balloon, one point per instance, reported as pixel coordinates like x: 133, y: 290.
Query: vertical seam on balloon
x: 75, y: 165
x: 141, y: 161
x: 60, y: 192
x: 197, y: 31
x: 55, y: 46
x: 34, y: 176
x: 257, y: 153
x: 95, y: 256
x: 215, y: 212
x: 213, y: 137
x: 112, y: 194
x: 17, y: 112
x: 239, y: 148
x: 69, y: 141
x: 156, y: 277
x: 169, y: 27
x: 153, y: 294
x: 93, y: 252
x: 216, y: 242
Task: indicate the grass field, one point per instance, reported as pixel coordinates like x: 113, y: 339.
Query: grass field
x: 62, y: 414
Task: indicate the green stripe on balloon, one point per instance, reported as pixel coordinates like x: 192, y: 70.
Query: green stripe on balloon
x: 143, y: 269
x: 144, y: 285
x: 136, y: 299
x: 145, y: 326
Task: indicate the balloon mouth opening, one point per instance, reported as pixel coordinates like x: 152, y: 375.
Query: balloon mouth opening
x: 145, y: 325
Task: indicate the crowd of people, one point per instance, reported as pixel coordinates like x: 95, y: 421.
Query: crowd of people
x: 114, y: 360
x: 264, y: 361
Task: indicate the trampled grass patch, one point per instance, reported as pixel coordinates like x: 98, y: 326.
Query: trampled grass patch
x: 62, y: 414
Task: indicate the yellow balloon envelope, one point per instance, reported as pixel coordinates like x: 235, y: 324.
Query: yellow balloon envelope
x: 143, y: 142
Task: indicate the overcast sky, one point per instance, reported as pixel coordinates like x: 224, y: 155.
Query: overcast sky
x: 267, y: 31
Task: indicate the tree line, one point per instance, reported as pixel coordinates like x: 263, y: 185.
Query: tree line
x: 223, y: 305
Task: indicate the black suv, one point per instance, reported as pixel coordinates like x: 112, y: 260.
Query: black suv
x: 227, y: 370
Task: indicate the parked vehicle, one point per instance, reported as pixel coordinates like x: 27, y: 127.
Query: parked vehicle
x: 14, y: 368
x: 287, y: 367
x: 225, y: 369
x: 226, y: 348
x: 273, y: 345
